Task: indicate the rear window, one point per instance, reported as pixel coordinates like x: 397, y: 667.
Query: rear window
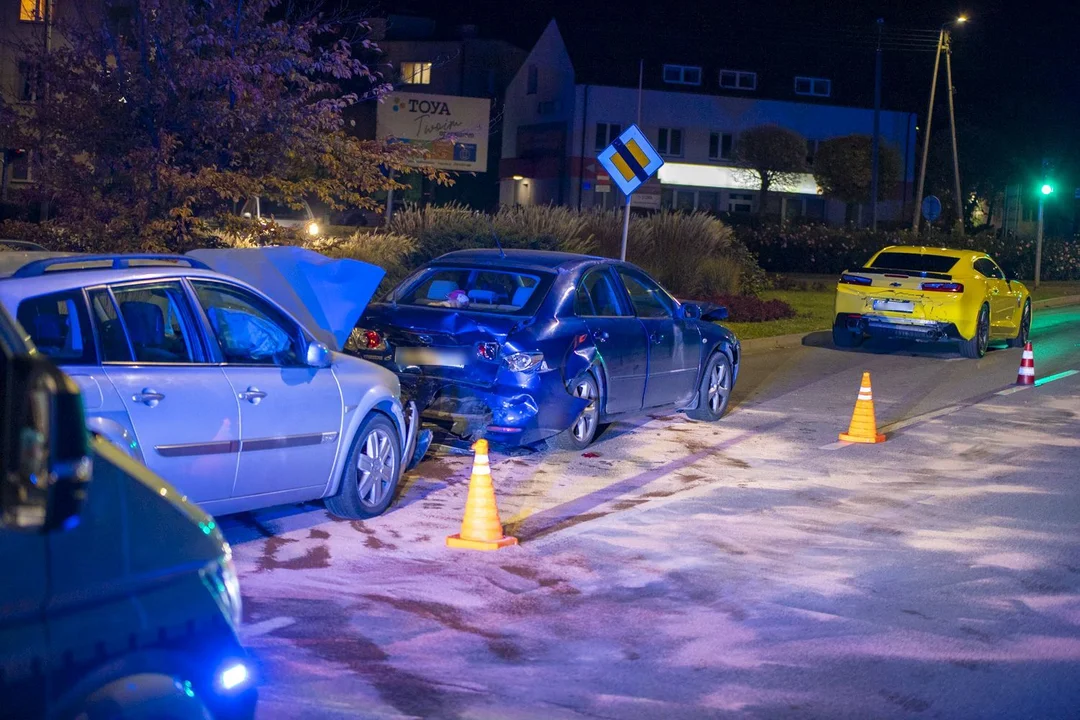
x: 914, y: 262
x: 490, y: 290
x: 60, y: 327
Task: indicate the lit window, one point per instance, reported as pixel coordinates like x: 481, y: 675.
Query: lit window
x: 738, y: 80
x: 416, y: 73
x: 721, y: 146
x: 682, y: 75
x: 669, y: 141
x: 32, y: 10
x: 817, y: 87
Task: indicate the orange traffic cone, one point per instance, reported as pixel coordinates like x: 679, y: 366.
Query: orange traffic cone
x: 863, y: 427
x: 481, y: 528
x: 1026, y: 374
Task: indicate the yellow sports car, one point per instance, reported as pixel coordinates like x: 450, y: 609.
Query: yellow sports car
x: 932, y: 294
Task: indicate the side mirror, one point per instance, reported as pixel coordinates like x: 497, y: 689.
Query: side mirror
x: 318, y: 355
x: 691, y: 311
x: 50, y: 461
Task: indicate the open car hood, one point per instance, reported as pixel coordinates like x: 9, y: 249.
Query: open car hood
x: 327, y: 296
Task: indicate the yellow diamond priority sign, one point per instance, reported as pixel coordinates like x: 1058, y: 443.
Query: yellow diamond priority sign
x: 630, y: 160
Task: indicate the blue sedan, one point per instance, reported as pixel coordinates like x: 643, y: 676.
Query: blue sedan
x: 527, y: 346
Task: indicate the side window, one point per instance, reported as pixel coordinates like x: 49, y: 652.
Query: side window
x: 605, y: 298
x: 648, y: 299
x: 60, y: 327
x: 582, y: 302
x: 987, y: 268
x: 249, y: 330
x: 114, y: 341
x: 157, y: 321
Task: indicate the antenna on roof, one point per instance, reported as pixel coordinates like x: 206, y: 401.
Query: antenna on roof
x: 495, y: 237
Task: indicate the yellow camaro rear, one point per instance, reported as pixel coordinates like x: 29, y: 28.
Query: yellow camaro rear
x: 931, y: 295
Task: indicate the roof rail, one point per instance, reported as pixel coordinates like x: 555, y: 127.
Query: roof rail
x: 22, y: 245
x: 37, y: 268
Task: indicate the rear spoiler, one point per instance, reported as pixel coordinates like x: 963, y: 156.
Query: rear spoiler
x: 905, y: 273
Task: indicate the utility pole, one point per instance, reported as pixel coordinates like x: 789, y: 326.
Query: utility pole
x: 943, y: 42
x: 48, y: 10
x: 952, y: 126
x: 920, y: 186
x: 877, y: 130
x: 1044, y: 191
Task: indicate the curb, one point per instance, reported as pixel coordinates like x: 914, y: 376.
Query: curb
x: 783, y: 342
x: 1056, y: 302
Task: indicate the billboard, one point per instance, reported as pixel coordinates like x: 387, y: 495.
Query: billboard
x: 453, y: 130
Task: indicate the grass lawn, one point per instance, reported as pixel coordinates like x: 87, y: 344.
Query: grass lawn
x: 814, y: 308
x: 814, y: 305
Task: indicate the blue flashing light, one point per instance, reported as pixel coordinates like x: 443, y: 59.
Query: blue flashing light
x: 234, y: 676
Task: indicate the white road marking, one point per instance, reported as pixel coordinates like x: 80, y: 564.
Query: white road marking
x: 1010, y: 391
x: 265, y: 627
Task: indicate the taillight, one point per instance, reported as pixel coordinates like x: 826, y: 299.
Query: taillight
x: 846, y: 279
x: 943, y: 287
x: 487, y: 351
x: 370, y: 339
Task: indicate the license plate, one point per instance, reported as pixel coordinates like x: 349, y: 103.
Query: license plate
x: 429, y: 356
x: 904, y: 306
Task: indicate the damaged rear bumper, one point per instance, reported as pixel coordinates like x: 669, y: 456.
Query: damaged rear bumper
x: 524, y: 413
x: 900, y: 328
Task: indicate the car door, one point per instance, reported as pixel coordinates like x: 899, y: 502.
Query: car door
x: 1011, y: 301
x: 1000, y: 296
x: 619, y: 338
x: 674, y: 342
x: 290, y: 413
x: 182, y: 409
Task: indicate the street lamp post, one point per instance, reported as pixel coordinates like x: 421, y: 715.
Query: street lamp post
x: 943, y: 42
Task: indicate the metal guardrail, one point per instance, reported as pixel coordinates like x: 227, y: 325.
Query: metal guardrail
x: 22, y: 245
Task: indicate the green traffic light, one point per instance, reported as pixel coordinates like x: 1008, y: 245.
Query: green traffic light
x: 1047, y: 189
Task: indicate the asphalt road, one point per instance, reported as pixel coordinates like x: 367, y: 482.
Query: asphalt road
x: 752, y: 568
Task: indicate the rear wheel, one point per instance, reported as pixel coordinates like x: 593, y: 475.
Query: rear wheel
x: 715, y: 389
x: 372, y: 471
x: 844, y: 338
x: 581, y: 432
x: 1024, y: 333
x: 976, y: 347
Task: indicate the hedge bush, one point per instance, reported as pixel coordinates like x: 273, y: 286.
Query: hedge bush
x: 751, y: 308
x: 822, y: 249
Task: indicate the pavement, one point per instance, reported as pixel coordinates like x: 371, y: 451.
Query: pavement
x: 755, y: 567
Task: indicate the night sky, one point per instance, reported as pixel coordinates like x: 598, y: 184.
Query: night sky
x: 1016, y: 65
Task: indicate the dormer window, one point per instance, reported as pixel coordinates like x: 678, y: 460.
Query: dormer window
x: 682, y: 75
x: 817, y: 87
x: 738, y: 80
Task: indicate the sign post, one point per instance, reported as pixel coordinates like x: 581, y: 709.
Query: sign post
x: 631, y: 161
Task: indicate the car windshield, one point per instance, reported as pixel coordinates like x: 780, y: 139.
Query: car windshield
x: 914, y: 262
x: 477, y: 289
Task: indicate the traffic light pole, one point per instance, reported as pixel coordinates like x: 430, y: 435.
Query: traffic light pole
x: 1039, y: 241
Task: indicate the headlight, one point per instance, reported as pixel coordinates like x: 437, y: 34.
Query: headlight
x: 524, y: 361
x: 223, y: 583
x: 313, y: 228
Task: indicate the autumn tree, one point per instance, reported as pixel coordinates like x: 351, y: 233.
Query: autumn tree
x: 153, y: 111
x: 843, y: 168
x: 773, y: 156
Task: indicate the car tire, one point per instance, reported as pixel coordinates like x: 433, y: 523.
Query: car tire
x: 714, y: 392
x: 1024, y: 333
x: 975, y: 348
x: 582, y: 431
x: 844, y: 338
x: 372, y: 471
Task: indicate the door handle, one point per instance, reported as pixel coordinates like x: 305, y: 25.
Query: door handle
x: 253, y: 395
x: 657, y: 338
x: 600, y: 336
x: 148, y: 397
